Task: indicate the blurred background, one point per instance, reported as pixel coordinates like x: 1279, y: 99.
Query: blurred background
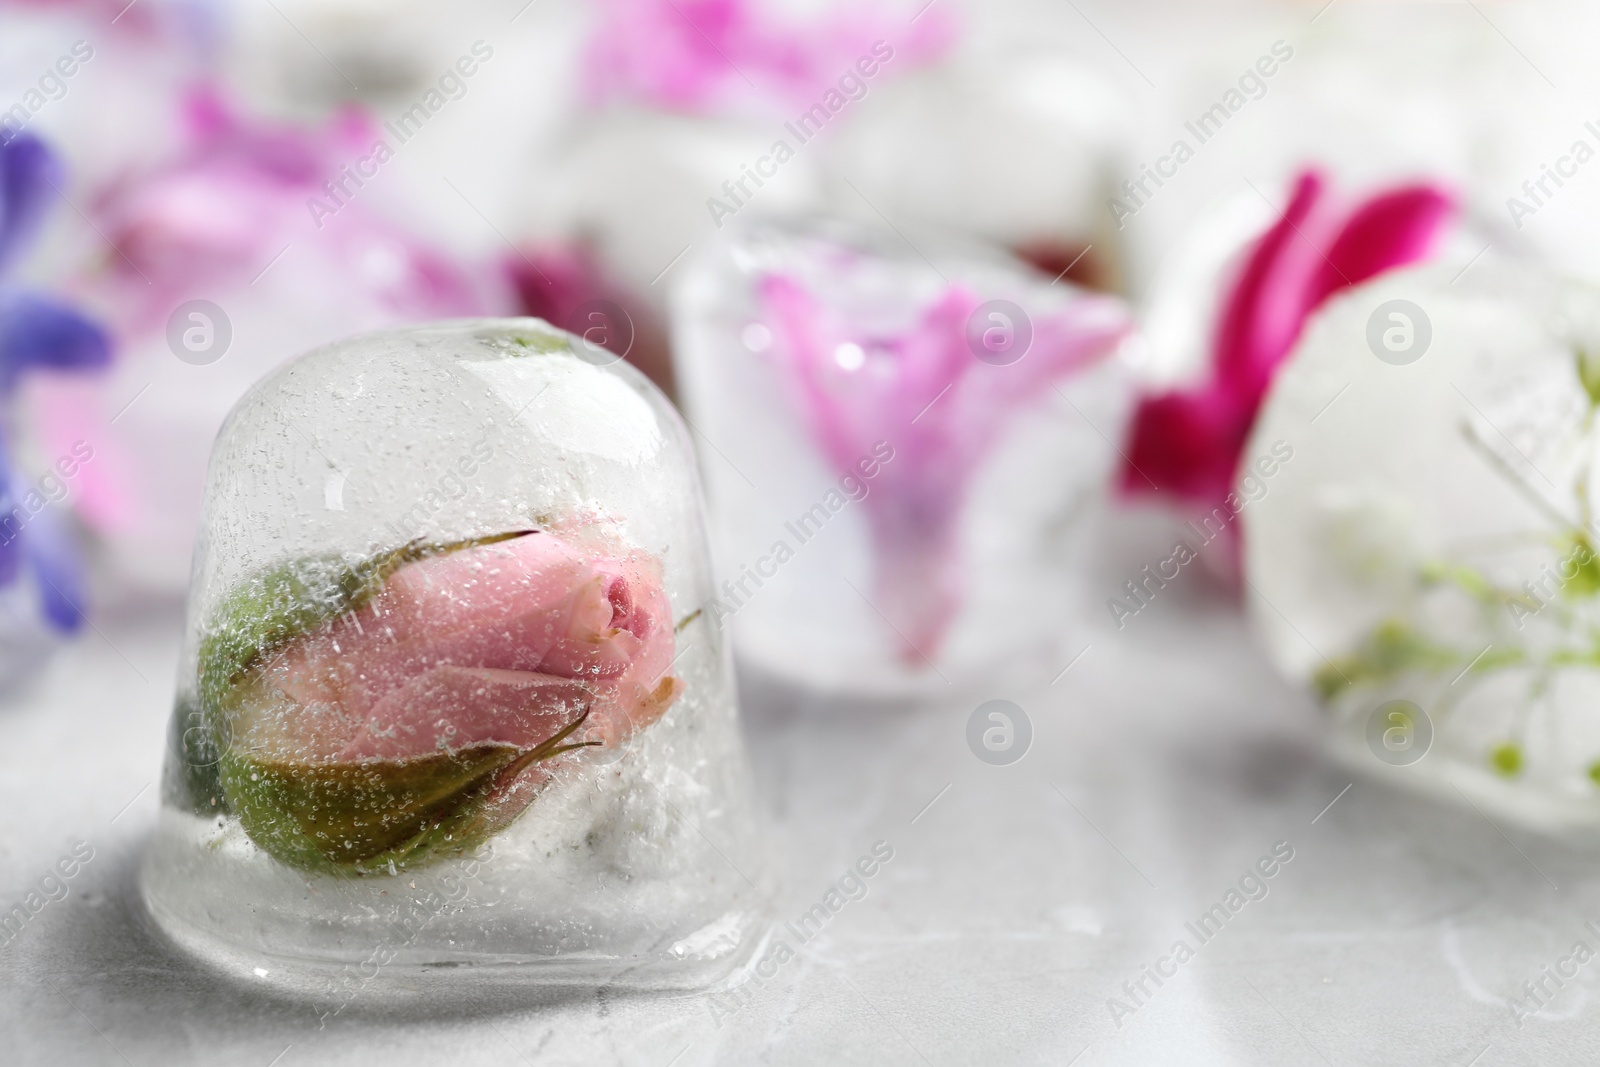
x: 194, y: 191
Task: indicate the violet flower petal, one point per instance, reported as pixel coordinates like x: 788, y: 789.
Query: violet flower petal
x: 51, y: 557
x: 29, y: 176
x: 10, y: 536
x: 36, y: 332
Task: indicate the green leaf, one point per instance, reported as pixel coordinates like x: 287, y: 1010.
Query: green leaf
x: 380, y: 816
x: 1589, y: 375
x: 1462, y: 577
x: 1586, y: 581
x: 190, y: 777
x: 1594, y: 772
x: 267, y: 612
x: 1575, y: 657
x: 1498, y: 658
x: 1506, y: 759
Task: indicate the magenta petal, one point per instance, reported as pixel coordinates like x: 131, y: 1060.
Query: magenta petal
x: 1259, y: 321
x: 707, y: 55
x: 917, y: 581
x: 1387, y: 231
x: 1187, y: 444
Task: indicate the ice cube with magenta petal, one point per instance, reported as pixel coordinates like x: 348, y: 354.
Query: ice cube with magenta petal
x: 450, y: 693
x: 905, y: 450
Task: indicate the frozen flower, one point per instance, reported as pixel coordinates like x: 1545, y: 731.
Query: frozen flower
x: 685, y: 99
x: 1186, y: 444
x: 1433, y: 541
x: 922, y: 388
x: 379, y: 715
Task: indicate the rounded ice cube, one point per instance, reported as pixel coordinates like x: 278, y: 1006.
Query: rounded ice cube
x: 1425, y: 558
x: 450, y: 694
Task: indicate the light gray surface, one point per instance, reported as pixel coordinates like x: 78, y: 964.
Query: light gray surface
x: 1164, y: 763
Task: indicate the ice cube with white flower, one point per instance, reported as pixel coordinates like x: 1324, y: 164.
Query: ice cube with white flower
x: 1433, y: 540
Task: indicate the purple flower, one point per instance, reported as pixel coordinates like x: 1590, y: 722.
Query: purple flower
x: 37, y: 332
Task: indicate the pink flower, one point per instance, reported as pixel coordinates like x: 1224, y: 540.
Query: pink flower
x: 1188, y: 442
x: 696, y: 55
x: 431, y: 712
x: 940, y: 408
x: 504, y: 643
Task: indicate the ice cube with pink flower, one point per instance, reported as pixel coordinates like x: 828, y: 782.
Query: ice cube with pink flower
x: 448, y: 628
x: 905, y: 443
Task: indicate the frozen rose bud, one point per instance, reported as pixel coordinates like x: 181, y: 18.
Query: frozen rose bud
x: 1185, y: 444
x: 452, y: 673
x: 448, y: 634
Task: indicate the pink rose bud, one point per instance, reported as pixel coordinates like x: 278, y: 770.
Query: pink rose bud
x: 438, y: 695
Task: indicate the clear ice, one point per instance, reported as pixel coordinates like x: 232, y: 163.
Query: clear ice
x: 450, y: 695
x: 904, y: 455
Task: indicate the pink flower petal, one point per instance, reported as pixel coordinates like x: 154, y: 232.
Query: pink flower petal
x: 1265, y: 308
x: 454, y: 707
x: 1186, y: 444
x: 490, y: 643
x: 941, y: 409
x: 1387, y: 231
